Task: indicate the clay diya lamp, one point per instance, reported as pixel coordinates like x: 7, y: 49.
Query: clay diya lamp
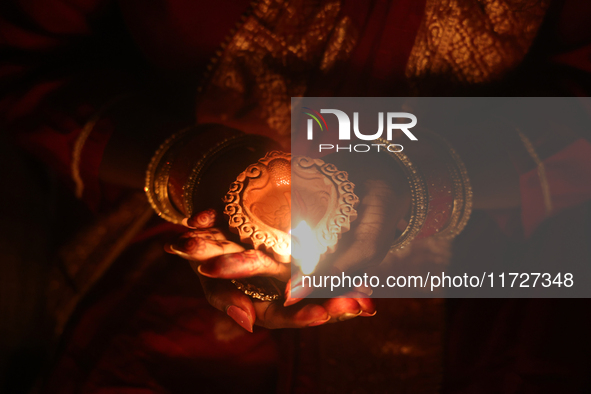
x: 279, y: 191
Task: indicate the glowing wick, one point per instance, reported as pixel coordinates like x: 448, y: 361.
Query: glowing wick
x: 305, y: 248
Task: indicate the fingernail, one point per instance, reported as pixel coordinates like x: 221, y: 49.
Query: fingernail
x: 240, y: 317
x: 367, y: 314
x: 204, y: 271
x: 173, y: 250
x: 349, y: 316
x: 183, y: 245
x: 365, y: 290
x: 318, y: 322
x: 290, y: 301
x: 297, y: 290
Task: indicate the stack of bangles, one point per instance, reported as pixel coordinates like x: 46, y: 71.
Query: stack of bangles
x: 441, y: 195
x: 178, y: 180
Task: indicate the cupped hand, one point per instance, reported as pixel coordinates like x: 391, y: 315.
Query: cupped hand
x: 216, y: 260
x: 384, y: 202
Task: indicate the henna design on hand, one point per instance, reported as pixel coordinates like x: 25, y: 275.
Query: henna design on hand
x: 202, y: 220
x: 210, y: 233
x: 202, y: 245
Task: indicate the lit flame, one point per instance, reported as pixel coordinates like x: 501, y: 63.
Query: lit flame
x: 305, y: 248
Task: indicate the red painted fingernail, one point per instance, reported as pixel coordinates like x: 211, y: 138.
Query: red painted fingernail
x: 240, y: 317
x: 319, y: 322
x: 367, y: 314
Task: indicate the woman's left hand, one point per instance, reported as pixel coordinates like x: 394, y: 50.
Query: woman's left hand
x: 216, y: 260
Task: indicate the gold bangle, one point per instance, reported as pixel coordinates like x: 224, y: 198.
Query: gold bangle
x: 158, y: 174
x: 462, y: 205
x: 180, y: 163
x: 419, y: 198
x: 156, y: 186
x: 204, y: 163
x: 462, y: 194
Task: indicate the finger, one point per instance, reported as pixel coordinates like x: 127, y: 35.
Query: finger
x: 368, y: 306
x: 373, y: 232
x: 275, y: 315
x: 366, y: 290
x: 349, y: 306
x: 224, y: 296
x: 245, y: 264
x: 342, y: 308
x: 203, y: 246
x: 204, y: 219
x: 295, y: 291
x: 359, y: 255
x: 209, y: 233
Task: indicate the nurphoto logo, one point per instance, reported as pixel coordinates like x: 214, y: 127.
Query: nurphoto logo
x: 344, y: 133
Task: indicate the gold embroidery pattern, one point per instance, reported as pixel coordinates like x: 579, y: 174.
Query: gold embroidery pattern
x: 271, y: 56
x: 474, y: 41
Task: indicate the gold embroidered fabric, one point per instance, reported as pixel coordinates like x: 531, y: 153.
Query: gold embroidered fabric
x: 270, y: 59
x: 474, y: 41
